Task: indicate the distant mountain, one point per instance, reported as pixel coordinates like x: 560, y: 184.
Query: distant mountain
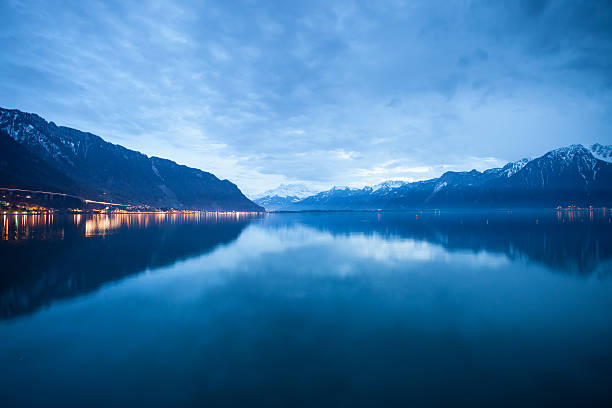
x: 388, y: 185
x: 283, y: 195
x: 85, y: 164
x: 509, y: 169
x: 275, y: 203
x: 602, y: 152
x: 289, y: 190
x: 567, y: 176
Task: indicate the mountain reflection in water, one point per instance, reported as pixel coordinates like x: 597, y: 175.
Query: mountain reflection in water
x: 307, y: 309
x: 576, y: 242
x: 49, y: 257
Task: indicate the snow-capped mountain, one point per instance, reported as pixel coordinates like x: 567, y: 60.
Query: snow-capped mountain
x: 568, y: 175
x: 509, y: 169
x: 288, y: 190
x: 274, y: 203
x: 602, y: 152
x: 99, y: 170
x: 283, y: 196
x: 564, y: 168
x: 388, y: 185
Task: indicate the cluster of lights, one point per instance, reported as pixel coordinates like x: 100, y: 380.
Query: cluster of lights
x: 18, y: 226
x: 23, y: 225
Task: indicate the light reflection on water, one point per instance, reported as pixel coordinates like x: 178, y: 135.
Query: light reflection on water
x: 310, y: 309
x: 17, y: 226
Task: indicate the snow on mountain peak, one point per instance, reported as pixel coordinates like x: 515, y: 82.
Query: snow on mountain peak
x: 389, y: 184
x: 567, y: 152
x: 573, y: 153
x: 514, y: 167
x: 288, y: 190
x: 602, y: 152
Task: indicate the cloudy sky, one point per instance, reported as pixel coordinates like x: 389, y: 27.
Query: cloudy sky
x: 317, y: 92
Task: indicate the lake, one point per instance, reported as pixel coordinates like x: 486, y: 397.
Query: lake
x: 307, y: 309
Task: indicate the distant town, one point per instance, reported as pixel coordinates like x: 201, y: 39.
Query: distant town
x: 24, y: 201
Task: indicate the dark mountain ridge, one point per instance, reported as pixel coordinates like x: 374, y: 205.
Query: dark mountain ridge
x: 570, y: 175
x: 21, y: 169
x: 109, y: 172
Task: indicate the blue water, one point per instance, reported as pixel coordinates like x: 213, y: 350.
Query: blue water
x: 311, y: 309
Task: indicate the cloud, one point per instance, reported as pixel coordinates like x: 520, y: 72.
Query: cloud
x: 318, y: 92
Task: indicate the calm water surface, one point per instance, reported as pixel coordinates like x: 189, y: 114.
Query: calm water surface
x: 311, y: 309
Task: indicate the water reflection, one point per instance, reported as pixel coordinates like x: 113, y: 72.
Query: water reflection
x: 48, y: 257
x: 22, y: 226
x: 576, y: 242
x: 318, y: 309
x: 16, y: 227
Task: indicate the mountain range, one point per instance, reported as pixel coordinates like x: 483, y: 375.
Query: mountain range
x: 572, y: 175
x: 39, y: 155
x: 283, y: 196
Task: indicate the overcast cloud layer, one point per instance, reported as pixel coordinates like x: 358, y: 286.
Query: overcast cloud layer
x: 317, y: 92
